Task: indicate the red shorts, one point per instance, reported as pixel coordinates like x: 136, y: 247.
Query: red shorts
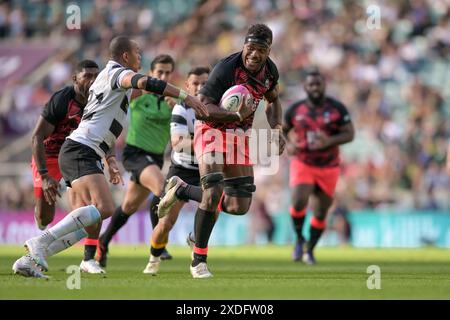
x: 225, y: 147
x: 53, y: 171
x: 326, y: 178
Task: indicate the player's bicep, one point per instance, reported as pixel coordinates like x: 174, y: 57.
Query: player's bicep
x: 124, y: 79
x: 349, y: 129
x: 43, y: 128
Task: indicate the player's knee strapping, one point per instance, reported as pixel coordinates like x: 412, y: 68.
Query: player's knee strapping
x: 211, y: 180
x: 239, y: 187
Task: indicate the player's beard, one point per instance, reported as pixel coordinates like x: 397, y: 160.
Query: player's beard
x: 315, y: 99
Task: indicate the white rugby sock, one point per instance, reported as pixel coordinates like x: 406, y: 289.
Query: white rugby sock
x: 65, y: 242
x: 77, y: 219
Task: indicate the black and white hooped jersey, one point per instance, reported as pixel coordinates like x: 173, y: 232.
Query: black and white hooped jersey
x: 105, y: 113
x: 182, y: 123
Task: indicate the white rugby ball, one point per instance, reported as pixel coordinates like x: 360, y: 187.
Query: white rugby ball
x: 232, y: 98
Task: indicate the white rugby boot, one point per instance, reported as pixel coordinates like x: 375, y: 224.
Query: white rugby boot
x: 91, y: 266
x: 37, y: 251
x: 152, y: 265
x: 27, y: 267
x: 170, y: 196
x: 200, y: 271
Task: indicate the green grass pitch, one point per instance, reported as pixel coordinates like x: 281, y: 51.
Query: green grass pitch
x: 243, y: 272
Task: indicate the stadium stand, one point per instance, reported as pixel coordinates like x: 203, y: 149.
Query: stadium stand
x: 393, y: 79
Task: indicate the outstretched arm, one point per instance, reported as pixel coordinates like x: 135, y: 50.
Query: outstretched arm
x: 139, y: 81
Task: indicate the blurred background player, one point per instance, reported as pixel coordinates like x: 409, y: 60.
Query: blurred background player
x: 60, y: 116
x: 315, y: 128
x: 143, y: 155
x: 82, y: 152
x: 183, y: 165
x: 228, y: 185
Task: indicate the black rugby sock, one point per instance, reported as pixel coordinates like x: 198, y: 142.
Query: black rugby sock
x: 156, y: 252
x: 203, y: 226
x: 89, y: 251
x: 118, y: 219
x: 315, y: 232
x: 154, y: 211
x: 298, y: 227
x: 190, y: 192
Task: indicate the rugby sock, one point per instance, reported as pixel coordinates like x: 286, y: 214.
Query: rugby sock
x: 154, y: 211
x: 77, y: 219
x: 315, y: 231
x: 200, y: 255
x: 298, y: 219
x: 118, y: 219
x: 90, y: 246
x: 189, y: 192
x: 65, y: 242
x: 157, y: 249
x: 203, y: 225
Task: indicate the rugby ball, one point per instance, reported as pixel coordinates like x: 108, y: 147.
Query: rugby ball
x: 232, y: 98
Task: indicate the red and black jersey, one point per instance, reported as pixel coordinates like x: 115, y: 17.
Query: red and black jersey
x: 306, y: 119
x: 231, y: 71
x: 63, y: 112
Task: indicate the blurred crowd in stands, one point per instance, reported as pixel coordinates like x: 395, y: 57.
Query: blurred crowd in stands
x: 393, y: 79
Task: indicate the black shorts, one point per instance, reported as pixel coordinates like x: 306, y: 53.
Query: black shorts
x: 135, y: 160
x: 189, y: 176
x: 77, y: 160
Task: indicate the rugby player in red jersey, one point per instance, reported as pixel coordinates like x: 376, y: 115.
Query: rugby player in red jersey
x: 226, y: 172
x: 315, y: 127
